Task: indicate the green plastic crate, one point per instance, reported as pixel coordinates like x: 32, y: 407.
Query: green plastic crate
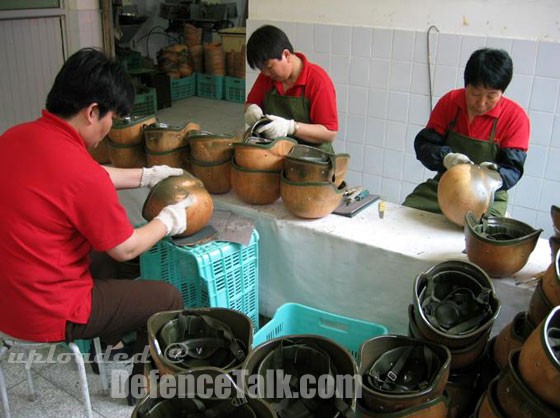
x: 293, y: 318
x: 210, y: 86
x: 184, y: 87
x: 145, y: 103
x: 130, y: 60
x: 216, y: 274
x: 235, y: 89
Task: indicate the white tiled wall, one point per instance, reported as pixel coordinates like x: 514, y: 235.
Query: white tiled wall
x: 381, y: 78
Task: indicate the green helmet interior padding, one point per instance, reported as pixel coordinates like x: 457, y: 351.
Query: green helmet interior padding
x: 195, y: 408
x: 200, y: 340
x: 297, y: 359
x: 404, y: 369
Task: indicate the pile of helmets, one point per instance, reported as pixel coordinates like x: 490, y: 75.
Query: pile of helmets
x: 209, y: 349
x: 210, y: 159
x: 529, y: 384
x: 312, y: 182
x: 501, y: 246
x: 455, y: 305
x: 256, y: 166
x: 403, y: 377
x: 167, y: 144
x: 554, y: 240
x: 125, y: 141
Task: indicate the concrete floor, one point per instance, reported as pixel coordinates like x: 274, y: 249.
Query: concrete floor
x: 57, y: 383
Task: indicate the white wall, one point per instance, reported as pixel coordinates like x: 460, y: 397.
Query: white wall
x: 376, y: 54
x: 536, y: 19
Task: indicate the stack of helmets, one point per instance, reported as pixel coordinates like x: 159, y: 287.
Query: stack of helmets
x: 467, y: 188
x: 256, y: 166
x: 403, y: 377
x: 125, y: 141
x: 545, y: 298
x: 455, y: 304
x: 312, y: 183
x: 174, y: 189
x: 209, y: 392
x: 501, y: 246
x: 530, y: 383
x: 327, y: 370
x: 167, y: 144
x: 210, y: 157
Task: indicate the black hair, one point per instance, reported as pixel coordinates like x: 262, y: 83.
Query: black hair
x: 89, y: 76
x: 266, y: 43
x: 491, y: 68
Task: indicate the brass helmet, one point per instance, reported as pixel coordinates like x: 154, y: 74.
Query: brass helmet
x: 464, y: 188
x: 433, y: 408
x: 501, y: 246
x: 263, y: 154
x: 161, y: 137
x: 311, y: 200
x: 551, y: 281
x: 255, y: 187
x: 189, y: 339
x: 209, y: 392
x: 400, y: 372
x: 455, y: 303
x: 539, y: 360
x: 511, y: 338
x: 309, y: 164
x: 298, y: 356
x: 516, y: 398
x: 206, y: 147
x: 215, y: 176
x: 174, y: 189
x: 130, y: 130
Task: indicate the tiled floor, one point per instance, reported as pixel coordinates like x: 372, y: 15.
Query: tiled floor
x: 58, y: 384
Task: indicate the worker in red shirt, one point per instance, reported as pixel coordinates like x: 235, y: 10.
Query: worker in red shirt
x: 296, y: 95
x: 58, y: 205
x: 475, y: 124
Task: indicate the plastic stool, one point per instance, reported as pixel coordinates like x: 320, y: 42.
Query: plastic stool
x: 7, y: 342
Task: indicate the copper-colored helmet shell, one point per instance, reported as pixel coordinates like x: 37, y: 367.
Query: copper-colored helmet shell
x: 174, y: 189
x: 130, y: 130
x: 127, y: 155
x: 215, y: 176
x: 161, y: 137
x: 262, y: 154
x: 499, y: 257
x: 255, y: 187
x: 551, y: 281
x: 101, y: 152
x: 437, y: 407
x: 511, y: 338
x: 210, y: 148
x: 311, y: 200
x: 538, y: 364
x: 464, y: 188
x: 310, y: 164
x: 488, y: 406
x: 178, y: 158
x: 371, y: 350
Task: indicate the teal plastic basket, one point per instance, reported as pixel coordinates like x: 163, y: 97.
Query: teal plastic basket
x: 293, y: 318
x: 210, y: 86
x: 181, y: 88
x: 235, y: 89
x: 216, y: 274
x: 145, y: 103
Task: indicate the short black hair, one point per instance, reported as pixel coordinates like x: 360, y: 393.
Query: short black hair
x: 89, y: 76
x: 491, y: 68
x: 266, y: 43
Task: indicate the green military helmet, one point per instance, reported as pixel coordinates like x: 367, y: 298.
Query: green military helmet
x: 197, y: 338
x: 401, y: 373
x: 294, y: 357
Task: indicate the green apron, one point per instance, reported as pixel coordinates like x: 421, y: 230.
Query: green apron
x: 424, y: 196
x: 291, y: 107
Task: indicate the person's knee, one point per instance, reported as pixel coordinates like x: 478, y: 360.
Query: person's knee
x: 173, y: 298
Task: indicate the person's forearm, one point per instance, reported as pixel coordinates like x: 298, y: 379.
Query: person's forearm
x: 124, y: 178
x: 314, y: 133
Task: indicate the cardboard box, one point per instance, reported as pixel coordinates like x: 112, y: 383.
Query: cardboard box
x: 233, y: 39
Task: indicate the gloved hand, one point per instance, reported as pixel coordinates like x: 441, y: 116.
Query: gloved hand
x: 277, y: 127
x: 153, y: 175
x: 174, y: 217
x: 490, y: 165
x: 454, y: 158
x: 253, y: 114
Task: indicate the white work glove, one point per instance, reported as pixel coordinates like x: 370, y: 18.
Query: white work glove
x: 277, y: 127
x: 253, y: 114
x: 490, y: 165
x: 174, y: 217
x: 454, y: 158
x: 153, y: 175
